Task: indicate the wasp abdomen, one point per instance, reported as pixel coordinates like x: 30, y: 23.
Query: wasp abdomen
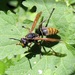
x: 52, y: 31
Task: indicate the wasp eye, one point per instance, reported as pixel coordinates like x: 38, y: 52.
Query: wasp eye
x: 23, y: 40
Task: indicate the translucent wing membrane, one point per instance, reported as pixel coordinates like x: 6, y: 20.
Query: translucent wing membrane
x: 35, y: 21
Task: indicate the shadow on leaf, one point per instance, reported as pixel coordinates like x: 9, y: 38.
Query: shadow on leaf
x: 36, y: 48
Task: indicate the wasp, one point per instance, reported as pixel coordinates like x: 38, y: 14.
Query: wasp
x: 33, y: 37
x: 44, y: 30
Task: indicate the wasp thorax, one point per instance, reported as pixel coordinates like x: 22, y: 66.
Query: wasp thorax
x: 32, y: 35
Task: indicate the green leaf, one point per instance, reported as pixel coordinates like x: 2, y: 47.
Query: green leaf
x: 71, y: 48
x: 27, y: 21
x: 2, y: 67
x: 51, y: 64
x: 68, y: 2
x: 11, y: 27
x: 62, y: 18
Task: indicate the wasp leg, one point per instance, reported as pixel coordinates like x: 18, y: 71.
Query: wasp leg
x: 44, y: 49
x: 29, y: 63
x: 56, y: 53
x: 53, y: 52
x: 41, y: 33
x: 40, y: 55
x: 50, y: 52
x: 40, y: 26
x: 29, y: 46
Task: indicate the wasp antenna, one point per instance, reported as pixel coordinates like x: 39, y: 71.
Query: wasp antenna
x: 53, y: 8
x: 14, y: 39
x: 50, y: 16
x: 23, y: 26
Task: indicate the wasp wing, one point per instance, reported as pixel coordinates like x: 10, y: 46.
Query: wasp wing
x: 47, y: 39
x: 35, y: 21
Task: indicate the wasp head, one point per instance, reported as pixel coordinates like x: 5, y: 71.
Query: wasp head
x: 23, y: 42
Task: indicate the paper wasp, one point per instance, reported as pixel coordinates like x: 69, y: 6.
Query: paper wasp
x: 44, y: 30
x: 33, y: 37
